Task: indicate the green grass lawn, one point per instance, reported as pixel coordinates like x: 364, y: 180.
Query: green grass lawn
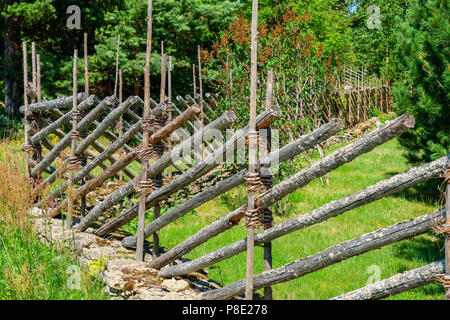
x: 379, y: 164
x: 26, y: 255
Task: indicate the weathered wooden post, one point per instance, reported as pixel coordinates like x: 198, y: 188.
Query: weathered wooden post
x: 252, y: 178
x: 170, y: 107
x: 117, y: 65
x: 33, y: 64
x: 84, y: 133
x: 27, y: 148
x: 159, y: 147
x: 266, y: 180
x: 145, y: 185
x: 200, y: 84
x: 86, y: 70
x: 75, y: 135
x: 447, y: 234
x: 120, y: 124
x: 38, y: 77
x: 194, y: 80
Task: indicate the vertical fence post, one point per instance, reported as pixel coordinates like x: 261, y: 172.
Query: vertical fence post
x: 27, y: 148
x: 73, y: 159
x: 117, y: 65
x: 252, y: 137
x: 447, y: 234
x: 266, y: 180
x: 84, y: 133
x: 169, y: 94
x: 33, y: 64
x: 145, y: 184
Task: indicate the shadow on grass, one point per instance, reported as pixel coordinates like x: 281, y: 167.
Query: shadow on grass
x: 430, y: 192
x: 427, y: 249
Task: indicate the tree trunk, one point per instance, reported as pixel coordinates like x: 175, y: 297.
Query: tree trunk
x: 300, y: 179
x: 368, y: 242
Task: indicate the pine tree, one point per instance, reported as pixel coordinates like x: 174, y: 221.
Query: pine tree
x: 423, y: 47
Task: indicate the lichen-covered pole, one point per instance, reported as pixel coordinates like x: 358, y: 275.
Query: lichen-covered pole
x: 252, y: 137
x: 145, y: 186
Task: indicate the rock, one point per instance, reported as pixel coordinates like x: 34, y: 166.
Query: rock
x: 174, y: 285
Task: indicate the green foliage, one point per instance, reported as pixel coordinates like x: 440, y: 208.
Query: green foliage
x: 302, y: 46
x: 423, y: 40
x: 375, y: 48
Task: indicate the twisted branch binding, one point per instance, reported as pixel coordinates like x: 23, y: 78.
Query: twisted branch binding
x: 74, y: 163
x: 444, y: 279
x: 143, y: 187
x: 76, y: 115
x: 252, y: 138
x: 252, y: 216
x: 75, y: 135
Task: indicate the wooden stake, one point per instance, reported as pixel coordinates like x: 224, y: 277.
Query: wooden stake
x: 146, y: 113
x: 120, y: 121
x: 33, y: 64
x: 38, y: 77
x: 193, y: 80
x: 74, y: 141
x: 86, y: 72
x: 265, y: 151
x: 117, y: 65
x: 27, y: 111
x: 201, y: 95
x: 169, y: 93
x: 252, y: 149
x: 447, y: 234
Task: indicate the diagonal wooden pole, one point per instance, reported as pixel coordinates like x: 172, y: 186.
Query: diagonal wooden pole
x: 145, y: 142
x: 252, y: 136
